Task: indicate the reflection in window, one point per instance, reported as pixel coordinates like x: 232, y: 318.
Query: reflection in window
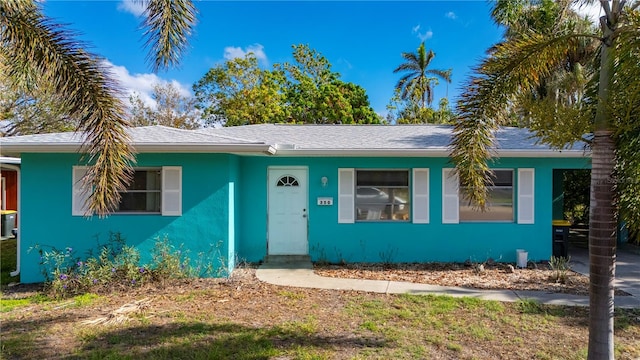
x: 382, y: 195
x: 287, y: 181
x: 499, y: 200
x: 143, y: 193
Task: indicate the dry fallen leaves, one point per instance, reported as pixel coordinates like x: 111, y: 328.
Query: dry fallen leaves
x: 497, y: 276
x: 121, y: 314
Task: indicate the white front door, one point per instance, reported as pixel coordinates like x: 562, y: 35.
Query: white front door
x: 287, y: 211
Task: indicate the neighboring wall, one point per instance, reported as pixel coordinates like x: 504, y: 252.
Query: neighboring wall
x: 11, y: 188
x: 205, y: 225
x: 398, y: 241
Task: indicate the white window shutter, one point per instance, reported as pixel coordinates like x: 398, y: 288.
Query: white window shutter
x: 80, y: 193
x: 171, y: 191
x: 450, y: 201
x: 420, y: 196
x: 346, y: 196
x: 526, y: 199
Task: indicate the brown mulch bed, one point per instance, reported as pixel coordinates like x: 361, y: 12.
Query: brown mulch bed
x: 494, y: 276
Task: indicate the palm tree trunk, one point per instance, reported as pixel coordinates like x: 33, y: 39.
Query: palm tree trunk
x: 602, y: 249
x: 602, y: 217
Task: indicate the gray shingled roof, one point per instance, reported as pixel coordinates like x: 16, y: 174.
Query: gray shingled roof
x: 287, y: 139
x: 407, y: 137
x: 139, y: 135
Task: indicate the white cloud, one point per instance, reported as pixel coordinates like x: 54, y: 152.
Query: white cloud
x: 451, y: 15
x: 141, y: 84
x: 422, y: 36
x: 135, y: 8
x: 592, y: 11
x: 232, y: 52
x: 343, y: 61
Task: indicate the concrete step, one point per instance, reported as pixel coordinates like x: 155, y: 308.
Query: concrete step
x: 286, y: 259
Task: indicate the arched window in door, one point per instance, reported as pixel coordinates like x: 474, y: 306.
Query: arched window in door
x: 287, y: 180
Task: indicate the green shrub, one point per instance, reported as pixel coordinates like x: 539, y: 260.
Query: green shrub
x: 168, y: 262
x: 560, y: 267
x: 116, y: 267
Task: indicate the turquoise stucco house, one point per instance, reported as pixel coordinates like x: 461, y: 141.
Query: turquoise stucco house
x: 333, y: 192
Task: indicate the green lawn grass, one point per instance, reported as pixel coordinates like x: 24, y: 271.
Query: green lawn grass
x: 8, y: 262
x: 260, y: 321
x: 288, y: 323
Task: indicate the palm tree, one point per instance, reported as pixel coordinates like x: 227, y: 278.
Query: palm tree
x: 38, y: 52
x: 560, y: 95
x: 520, y: 64
x: 416, y: 84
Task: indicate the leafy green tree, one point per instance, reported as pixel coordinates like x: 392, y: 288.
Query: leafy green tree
x: 576, y: 195
x: 316, y: 95
x: 408, y: 112
x: 309, y: 80
x: 521, y: 64
x: 172, y: 109
x: 627, y: 83
x: 38, y: 52
x: 238, y: 92
x: 32, y: 113
x: 416, y: 85
x: 358, y: 101
x: 306, y: 91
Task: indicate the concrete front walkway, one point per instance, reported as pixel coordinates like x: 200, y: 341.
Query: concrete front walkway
x: 300, y: 274
x: 627, y: 267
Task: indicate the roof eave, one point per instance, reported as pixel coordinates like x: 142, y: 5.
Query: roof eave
x: 18, y: 148
x: 14, y: 149
x: 441, y: 152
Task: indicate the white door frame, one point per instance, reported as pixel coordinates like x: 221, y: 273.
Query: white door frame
x: 304, y: 216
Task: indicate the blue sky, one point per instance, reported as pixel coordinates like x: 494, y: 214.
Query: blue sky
x: 363, y: 40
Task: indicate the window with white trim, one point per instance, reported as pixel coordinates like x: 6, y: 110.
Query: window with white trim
x: 151, y: 191
x: 499, y: 200
x: 143, y: 193
x: 382, y: 195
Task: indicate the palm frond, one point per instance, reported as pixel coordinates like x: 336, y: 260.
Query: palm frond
x: 410, y: 57
x: 408, y: 66
x: 508, y: 12
x: 168, y: 25
x: 28, y: 37
x: 442, y: 74
x: 517, y: 65
x: 473, y: 138
x: 425, y: 57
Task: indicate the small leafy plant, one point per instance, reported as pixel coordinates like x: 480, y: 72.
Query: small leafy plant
x: 116, y: 267
x: 560, y: 267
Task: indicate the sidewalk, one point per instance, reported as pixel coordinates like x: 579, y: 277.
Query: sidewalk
x: 300, y: 274
x: 627, y: 267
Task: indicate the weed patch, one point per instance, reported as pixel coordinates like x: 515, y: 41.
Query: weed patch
x: 8, y: 258
x: 116, y: 267
x: 7, y: 305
